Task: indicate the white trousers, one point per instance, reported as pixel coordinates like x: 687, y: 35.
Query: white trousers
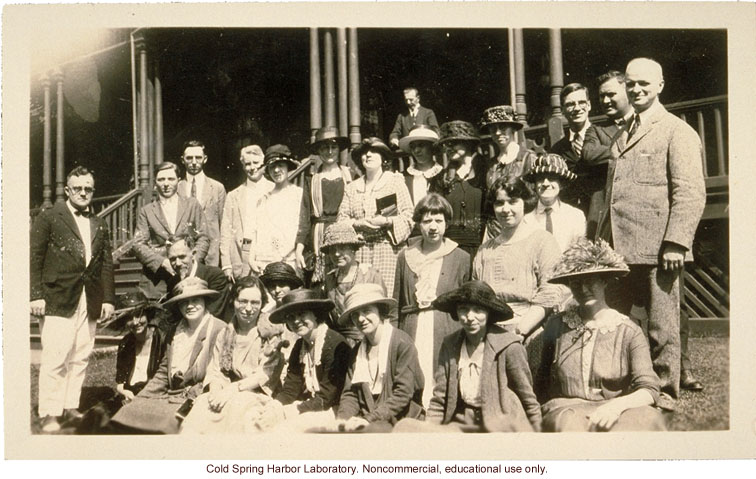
x: 66, y: 346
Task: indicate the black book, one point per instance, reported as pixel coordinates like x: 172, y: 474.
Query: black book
x: 386, y: 206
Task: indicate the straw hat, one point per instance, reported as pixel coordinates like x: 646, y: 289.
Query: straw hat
x: 340, y: 233
x: 584, y: 258
x: 458, y: 130
x: 549, y: 163
x: 371, y: 143
x: 366, y: 294
x: 419, y: 133
x: 501, y: 114
x: 478, y: 293
x: 300, y: 299
x: 192, y: 287
x: 325, y: 134
x: 280, y: 271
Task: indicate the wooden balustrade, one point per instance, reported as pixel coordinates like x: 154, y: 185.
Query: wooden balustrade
x: 121, y: 217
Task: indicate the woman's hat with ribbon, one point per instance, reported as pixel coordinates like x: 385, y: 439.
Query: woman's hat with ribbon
x: 279, y: 153
x: 280, y: 271
x: 584, y: 258
x: 478, y: 293
x: 371, y: 143
x: 549, y: 164
x: 418, y: 133
x: 500, y: 115
x: 191, y: 287
x: 365, y: 294
x: 325, y: 134
x: 458, y: 130
x: 298, y: 300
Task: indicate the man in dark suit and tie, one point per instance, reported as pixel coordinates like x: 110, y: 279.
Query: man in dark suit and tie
x: 576, y: 107
x: 210, y: 193
x: 168, y: 215
x: 71, y: 288
x: 182, y: 256
x: 655, y: 198
x: 416, y: 115
x: 598, y: 141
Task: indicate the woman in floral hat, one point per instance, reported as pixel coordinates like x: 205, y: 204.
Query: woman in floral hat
x: 596, y: 373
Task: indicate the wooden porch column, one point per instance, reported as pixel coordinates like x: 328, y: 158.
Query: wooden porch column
x: 556, y: 78
x: 354, y: 89
x: 145, y: 174
x: 47, y: 148
x: 158, y: 116
x: 151, y: 123
x: 341, y: 48
x: 60, y: 172
x: 316, y: 119
x: 521, y: 108
x: 330, y: 87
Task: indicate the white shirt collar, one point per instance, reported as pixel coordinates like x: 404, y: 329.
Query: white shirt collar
x: 541, y: 208
x: 73, y: 209
x: 173, y: 200
x: 200, y: 177
x: 650, y: 111
x: 581, y: 132
x: 513, y: 149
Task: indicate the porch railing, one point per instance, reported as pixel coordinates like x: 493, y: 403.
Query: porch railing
x: 121, y: 216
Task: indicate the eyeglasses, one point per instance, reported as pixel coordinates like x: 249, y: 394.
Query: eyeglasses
x: 78, y: 189
x: 572, y: 105
x: 193, y: 158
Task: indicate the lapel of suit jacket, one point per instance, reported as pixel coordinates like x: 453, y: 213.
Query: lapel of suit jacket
x: 208, y: 192
x: 646, y: 126
x: 181, y: 210
x: 453, y: 392
x: 157, y: 212
x: 201, y: 337
x: 69, y: 220
x: 242, y: 202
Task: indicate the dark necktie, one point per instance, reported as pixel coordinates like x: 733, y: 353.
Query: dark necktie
x: 634, y: 127
x: 549, y: 223
x: 84, y: 214
x: 194, y: 187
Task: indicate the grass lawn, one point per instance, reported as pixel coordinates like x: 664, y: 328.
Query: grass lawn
x: 703, y: 411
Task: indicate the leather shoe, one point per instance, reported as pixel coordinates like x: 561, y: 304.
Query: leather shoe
x: 689, y: 382
x: 71, y: 417
x: 50, y: 425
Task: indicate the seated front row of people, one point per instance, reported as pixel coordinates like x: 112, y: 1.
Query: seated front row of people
x: 595, y: 374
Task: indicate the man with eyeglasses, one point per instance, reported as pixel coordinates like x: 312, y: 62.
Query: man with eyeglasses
x: 71, y: 289
x: 210, y: 193
x: 576, y: 107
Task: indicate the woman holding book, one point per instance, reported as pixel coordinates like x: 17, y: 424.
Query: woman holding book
x: 379, y: 207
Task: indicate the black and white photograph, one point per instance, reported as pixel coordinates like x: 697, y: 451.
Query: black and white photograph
x: 360, y: 227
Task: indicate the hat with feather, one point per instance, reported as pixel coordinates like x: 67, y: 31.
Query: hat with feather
x: 585, y: 257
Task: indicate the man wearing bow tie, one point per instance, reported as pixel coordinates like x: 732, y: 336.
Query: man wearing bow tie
x: 655, y: 198
x: 71, y: 288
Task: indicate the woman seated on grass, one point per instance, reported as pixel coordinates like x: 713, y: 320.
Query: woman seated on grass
x: 596, y: 372
x: 182, y: 370
x: 483, y: 381
x: 247, y: 359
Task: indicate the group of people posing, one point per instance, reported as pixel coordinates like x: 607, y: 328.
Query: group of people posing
x: 466, y: 294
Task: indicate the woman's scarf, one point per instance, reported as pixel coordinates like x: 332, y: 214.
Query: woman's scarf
x: 362, y: 367
x: 426, y: 268
x: 309, y: 361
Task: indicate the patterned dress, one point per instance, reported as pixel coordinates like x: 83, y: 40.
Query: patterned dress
x: 381, y: 246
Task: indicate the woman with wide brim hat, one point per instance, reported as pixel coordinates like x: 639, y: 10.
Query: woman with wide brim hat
x: 340, y: 245
x: 385, y: 382
x: 423, y: 176
x: 486, y: 384
x: 181, y: 373
x: 511, y: 159
x: 321, y: 199
x: 278, y: 213
x: 317, y: 364
x: 378, y: 206
x: 617, y: 389
x: 550, y: 175
x: 463, y: 183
